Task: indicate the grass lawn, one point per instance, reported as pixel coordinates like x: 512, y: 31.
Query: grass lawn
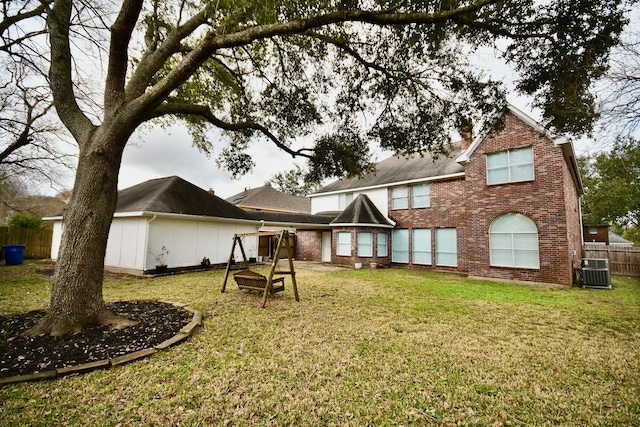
x: 365, y: 347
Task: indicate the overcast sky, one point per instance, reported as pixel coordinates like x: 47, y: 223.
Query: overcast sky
x: 159, y: 152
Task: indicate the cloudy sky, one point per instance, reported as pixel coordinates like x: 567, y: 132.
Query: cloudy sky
x: 158, y: 152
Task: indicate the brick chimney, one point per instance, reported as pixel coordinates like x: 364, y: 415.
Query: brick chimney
x: 466, y: 132
x: 213, y: 193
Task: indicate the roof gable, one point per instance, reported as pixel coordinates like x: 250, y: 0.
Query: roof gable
x: 563, y: 143
x: 361, y: 211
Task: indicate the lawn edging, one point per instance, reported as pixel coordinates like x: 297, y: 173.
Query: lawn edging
x: 184, y: 333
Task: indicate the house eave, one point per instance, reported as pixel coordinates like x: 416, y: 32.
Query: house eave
x: 393, y: 184
x: 354, y: 224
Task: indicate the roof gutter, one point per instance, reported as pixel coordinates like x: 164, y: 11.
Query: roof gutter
x: 391, y: 184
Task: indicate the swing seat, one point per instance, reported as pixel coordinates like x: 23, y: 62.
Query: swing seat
x: 252, y: 281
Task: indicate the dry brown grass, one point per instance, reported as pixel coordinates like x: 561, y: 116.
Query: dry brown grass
x: 381, y: 347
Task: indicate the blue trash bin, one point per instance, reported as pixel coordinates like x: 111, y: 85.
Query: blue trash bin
x: 14, y: 254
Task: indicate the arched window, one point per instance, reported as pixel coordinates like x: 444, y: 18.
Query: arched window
x: 513, y: 241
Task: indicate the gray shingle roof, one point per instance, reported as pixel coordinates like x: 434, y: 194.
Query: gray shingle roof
x: 269, y: 198
x: 400, y: 169
x: 292, y: 218
x: 361, y: 211
x: 175, y: 195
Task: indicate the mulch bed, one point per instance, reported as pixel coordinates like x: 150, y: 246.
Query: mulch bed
x: 158, y: 322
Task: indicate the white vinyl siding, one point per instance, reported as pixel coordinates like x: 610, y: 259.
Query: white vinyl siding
x: 400, y: 246
x: 343, y: 243
x: 421, y: 246
x: 382, y: 245
x: 421, y: 196
x: 399, y: 197
x: 446, y: 247
x: 344, y: 200
x: 510, y: 166
x: 513, y: 242
x: 365, y: 244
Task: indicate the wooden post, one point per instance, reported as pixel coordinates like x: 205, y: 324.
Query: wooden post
x: 226, y: 274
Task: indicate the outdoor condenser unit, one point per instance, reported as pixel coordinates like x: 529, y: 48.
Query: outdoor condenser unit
x: 596, y: 273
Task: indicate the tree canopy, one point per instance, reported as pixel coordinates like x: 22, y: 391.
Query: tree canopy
x: 320, y: 79
x: 612, y: 186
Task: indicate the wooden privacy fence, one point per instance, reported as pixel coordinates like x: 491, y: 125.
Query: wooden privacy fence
x: 624, y: 261
x: 38, y: 240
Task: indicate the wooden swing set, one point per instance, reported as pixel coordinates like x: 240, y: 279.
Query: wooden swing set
x: 252, y: 281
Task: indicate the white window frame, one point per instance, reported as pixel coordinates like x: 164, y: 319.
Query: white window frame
x: 512, y: 239
x: 509, y: 166
x: 396, y: 250
x: 400, y: 197
x: 365, y: 249
x: 421, y: 195
x: 443, y: 246
x: 383, y: 246
x: 421, y: 244
x: 343, y: 243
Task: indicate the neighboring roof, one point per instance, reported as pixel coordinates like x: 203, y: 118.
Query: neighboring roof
x: 362, y: 212
x: 268, y: 198
x: 291, y: 218
x: 397, y: 169
x: 175, y: 195
x: 616, y: 239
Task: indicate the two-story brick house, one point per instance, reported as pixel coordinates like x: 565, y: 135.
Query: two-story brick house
x: 504, y: 206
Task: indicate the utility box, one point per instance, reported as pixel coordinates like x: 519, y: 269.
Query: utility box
x: 596, y: 273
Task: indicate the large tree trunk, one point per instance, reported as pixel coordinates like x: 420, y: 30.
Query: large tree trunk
x: 76, y: 300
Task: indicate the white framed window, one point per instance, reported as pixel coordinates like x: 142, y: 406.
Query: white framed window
x: 510, y: 166
x: 383, y: 249
x: 365, y: 244
x: 421, y: 196
x: 513, y: 242
x: 400, y: 197
x: 447, y: 247
x: 421, y: 246
x: 343, y: 243
x: 400, y: 246
x: 344, y: 199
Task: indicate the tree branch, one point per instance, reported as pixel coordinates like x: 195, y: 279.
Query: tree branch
x: 120, y: 36
x: 206, y: 113
x: 213, y: 42
x: 60, y: 73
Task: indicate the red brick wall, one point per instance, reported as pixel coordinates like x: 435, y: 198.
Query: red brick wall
x: 309, y: 246
x: 354, y: 258
x: 470, y: 206
x: 542, y: 200
x: 447, y: 210
x: 574, y: 222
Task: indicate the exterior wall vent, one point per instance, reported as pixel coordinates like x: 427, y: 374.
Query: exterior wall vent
x: 596, y: 273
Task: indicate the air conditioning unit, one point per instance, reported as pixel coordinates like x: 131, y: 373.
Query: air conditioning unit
x: 596, y: 273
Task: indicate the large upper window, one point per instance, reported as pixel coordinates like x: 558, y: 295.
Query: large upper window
x: 399, y: 198
x: 510, y: 166
x: 365, y: 244
x: 400, y: 245
x: 513, y: 241
x: 344, y: 199
x: 343, y: 243
x: 382, y: 245
x: 421, y: 246
x: 420, y: 196
x: 446, y: 247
